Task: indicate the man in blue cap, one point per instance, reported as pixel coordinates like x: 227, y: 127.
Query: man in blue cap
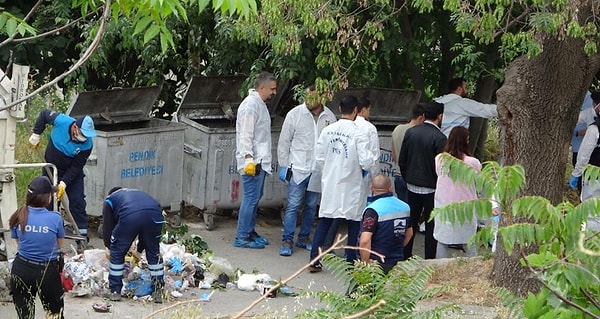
x: 69, y: 148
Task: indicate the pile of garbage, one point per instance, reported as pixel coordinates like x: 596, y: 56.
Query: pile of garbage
x: 86, y: 274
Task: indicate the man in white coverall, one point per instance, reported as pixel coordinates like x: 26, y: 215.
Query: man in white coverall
x: 343, y: 156
x: 295, y: 151
x: 362, y: 121
x: 589, y: 153
x: 458, y: 108
x: 253, y: 154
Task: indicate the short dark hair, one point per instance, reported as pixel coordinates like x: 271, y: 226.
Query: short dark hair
x: 432, y: 110
x: 348, y: 103
x: 417, y: 111
x: 595, y: 97
x: 114, y: 189
x: 264, y: 78
x: 363, y: 102
x: 455, y: 83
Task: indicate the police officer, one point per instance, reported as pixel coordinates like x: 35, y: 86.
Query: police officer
x: 127, y: 214
x: 39, y: 234
x: 69, y: 148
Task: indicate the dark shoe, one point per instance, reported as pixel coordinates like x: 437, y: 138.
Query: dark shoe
x: 112, y: 296
x: 316, y: 267
x: 157, y: 296
x: 247, y: 243
x: 258, y: 238
x: 286, y: 248
x: 304, y: 243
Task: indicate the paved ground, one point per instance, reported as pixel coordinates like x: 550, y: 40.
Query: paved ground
x: 228, y: 302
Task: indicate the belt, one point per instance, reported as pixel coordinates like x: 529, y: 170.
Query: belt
x: 33, y: 262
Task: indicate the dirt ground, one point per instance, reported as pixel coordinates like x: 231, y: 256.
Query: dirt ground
x: 468, y: 278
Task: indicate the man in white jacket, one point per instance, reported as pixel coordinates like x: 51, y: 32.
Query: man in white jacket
x: 362, y: 121
x: 458, y: 109
x: 253, y: 154
x: 295, y: 151
x: 343, y: 156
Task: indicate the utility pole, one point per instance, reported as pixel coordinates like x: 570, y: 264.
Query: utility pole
x: 11, y: 89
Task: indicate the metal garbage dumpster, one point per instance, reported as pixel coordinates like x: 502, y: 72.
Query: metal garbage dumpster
x: 132, y: 149
x: 389, y: 107
x: 211, y: 181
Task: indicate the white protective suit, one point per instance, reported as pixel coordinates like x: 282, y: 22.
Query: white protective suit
x: 297, y: 140
x: 253, y: 132
x: 341, y: 154
x: 371, y: 131
x: 458, y: 109
x: 589, y: 188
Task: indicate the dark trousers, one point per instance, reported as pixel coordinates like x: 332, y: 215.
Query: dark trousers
x: 146, y: 225
x: 28, y: 280
x: 400, y: 188
x: 421, y: 206
x: 324, y: 225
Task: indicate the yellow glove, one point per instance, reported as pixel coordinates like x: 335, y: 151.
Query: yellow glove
x: 61, y: 190
x: 249, y: 167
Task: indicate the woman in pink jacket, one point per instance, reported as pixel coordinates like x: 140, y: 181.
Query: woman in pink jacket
x: 448, y: 192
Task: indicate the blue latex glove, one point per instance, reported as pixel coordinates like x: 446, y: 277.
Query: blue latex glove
x: 364, y: 173
x: 573, y: 181
x: 282, y: 173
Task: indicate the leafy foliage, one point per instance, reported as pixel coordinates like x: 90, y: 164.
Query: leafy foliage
x: 397, y: 292
x: 521, y: 25
x: 564, y: 256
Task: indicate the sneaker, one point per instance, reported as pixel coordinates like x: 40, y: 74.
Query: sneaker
x: 286, y: 248
x: 304, y: 243
x: 316, y: 267
x: 247, y: 243
x: 112, y: 296
x: 258, y: 238
x: 157, y: 296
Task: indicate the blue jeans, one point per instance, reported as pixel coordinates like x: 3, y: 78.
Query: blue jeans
x: 253, y: 191
x: 295, y: 194
x: 323, y: 226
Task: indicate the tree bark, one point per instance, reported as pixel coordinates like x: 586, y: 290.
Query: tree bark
x: 538, y: 106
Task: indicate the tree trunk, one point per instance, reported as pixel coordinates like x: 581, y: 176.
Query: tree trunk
x: 538, y: 106
x: 478, y: 127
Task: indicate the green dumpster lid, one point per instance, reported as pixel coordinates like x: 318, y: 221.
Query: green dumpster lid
x: 388, y: 106
x: 116, y: 105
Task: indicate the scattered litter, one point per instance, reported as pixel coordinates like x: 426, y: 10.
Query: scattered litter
x: 287, y: 291
x: 206, y: 296
x: 176, y: 294
x: 101, y: 307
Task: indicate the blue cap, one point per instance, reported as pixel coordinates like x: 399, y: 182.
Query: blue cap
x: 86, y: 125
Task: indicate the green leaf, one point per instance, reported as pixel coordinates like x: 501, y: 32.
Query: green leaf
x: 542, y: 259
x: 202, y: 5
x: 11, y: 27
x: 152, y: 31
x: 142, y: 24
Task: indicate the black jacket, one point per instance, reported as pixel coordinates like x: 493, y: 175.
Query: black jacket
x: 417, y: 156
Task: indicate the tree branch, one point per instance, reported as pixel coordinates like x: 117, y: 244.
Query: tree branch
x: 367, y: 311
x: 29, y: 14
x: 591, y: 298
x: 556, y: 293
x: 37, y: 36
x: 86, y: 55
